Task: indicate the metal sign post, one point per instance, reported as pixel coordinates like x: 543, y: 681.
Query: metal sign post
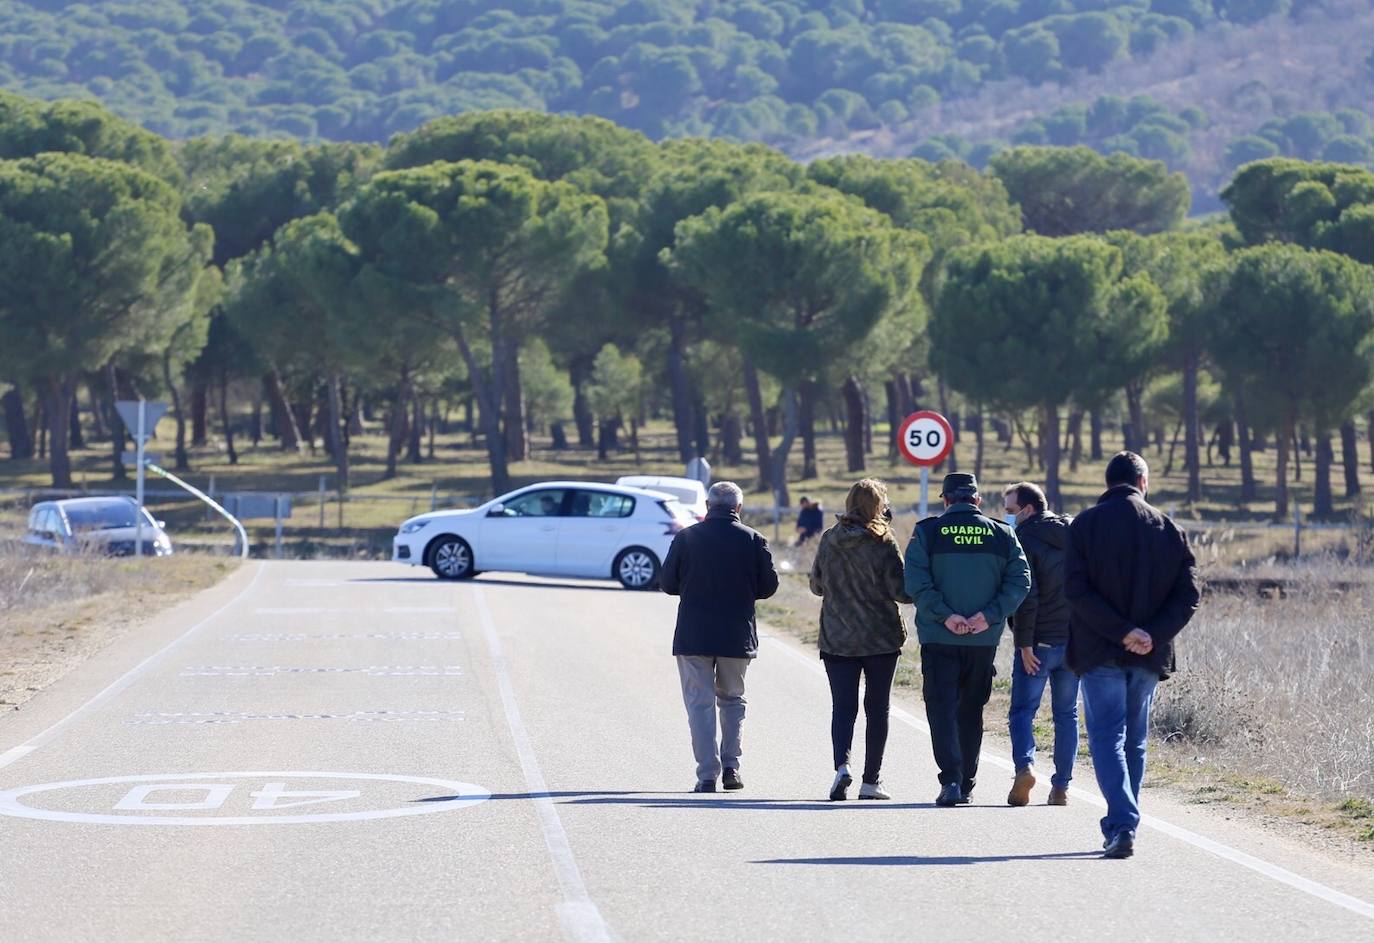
x: 925, y: 439
x: 140, y: 417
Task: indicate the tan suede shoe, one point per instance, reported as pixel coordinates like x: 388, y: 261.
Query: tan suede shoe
x: 1058, y: 796
x: 1021, y: 787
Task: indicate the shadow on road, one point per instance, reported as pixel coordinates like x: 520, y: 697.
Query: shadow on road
x: 906, y: 861
x: 490, y: 581
x: 677, y: 800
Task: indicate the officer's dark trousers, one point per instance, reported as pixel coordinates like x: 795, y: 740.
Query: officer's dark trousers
x: 956, y: 684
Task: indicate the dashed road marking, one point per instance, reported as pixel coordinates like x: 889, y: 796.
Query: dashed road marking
x: 269, y: 671
x: 215, y: 718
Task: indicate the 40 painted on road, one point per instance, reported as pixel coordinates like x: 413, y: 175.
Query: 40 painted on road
x: 238, y: 798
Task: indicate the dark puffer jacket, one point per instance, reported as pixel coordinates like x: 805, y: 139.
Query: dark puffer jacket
x: 1043, y: 616
x: 859, y: 576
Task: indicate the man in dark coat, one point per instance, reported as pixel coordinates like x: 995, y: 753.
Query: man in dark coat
x: 1131, y: 581
x: 1040, y: 630
x: 719, y: 568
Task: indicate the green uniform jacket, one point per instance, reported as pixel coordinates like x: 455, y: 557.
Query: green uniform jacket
x: 964, y: 563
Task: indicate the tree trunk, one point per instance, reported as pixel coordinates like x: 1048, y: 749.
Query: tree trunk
x: 679, y: 386
x: 701, y: 431
x: 979, y: 442
x: 414, y: 446
x: 1249, y: 488
x: 17, y: 425
x: 1095, y: 435
x: 182, y: 460
x: 868, y: 421
x: 396, y: 422
x: 487, y: 390
x: 57, y: 413
x: 288, y: 433
x: 1369, y: 435
x: 117, y: 470
x: 1323, y: 503
x: 606, y: 438
x: 1173, y: 447
x: 76, y: 440
x: 558, y: 436
x: 255, y: 421
x: 337, y: 447
x: 1137, y: 437
x: 1285, y: 442
x: 894, y: 417
x: 1297, y: 456
x: 1075, y: 435
x: 517, y: 439
x: 1192, y: 432
x: 433, y: 426
x: 856, y: 419
x: 731, y: 440
x: 200, y: 411
x: 906, y: 398
x: 582, y: 411
x: 1350, y: 458
x: 98, y: 427
x: 952, y: 462
x: 759, y: 421
x: 1049, y: 437
x: 806, y: 419
x: 790, y: 424
x: 224, y: 417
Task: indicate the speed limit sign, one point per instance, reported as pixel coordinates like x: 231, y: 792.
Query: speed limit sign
x: 925, y: 438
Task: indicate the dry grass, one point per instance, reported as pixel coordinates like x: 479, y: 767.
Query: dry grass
x: 1279, y: 687
x: 56, y: 611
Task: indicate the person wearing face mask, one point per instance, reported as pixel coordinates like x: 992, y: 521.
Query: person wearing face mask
x: 1131, y: 582
x: 1040, y: 630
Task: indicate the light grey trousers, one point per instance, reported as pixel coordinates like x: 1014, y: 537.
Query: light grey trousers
x: 707, y: 683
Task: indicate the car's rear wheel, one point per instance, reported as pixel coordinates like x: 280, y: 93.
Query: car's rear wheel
x: 636, y: 568
x: 451, y: 558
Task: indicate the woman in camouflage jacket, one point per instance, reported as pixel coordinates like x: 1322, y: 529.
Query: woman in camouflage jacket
x: 858, y: 574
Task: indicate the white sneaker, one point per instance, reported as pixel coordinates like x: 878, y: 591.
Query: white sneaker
x: 873, y: 791
x: 840, y: 787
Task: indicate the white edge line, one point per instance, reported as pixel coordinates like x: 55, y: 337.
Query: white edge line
x: 120, y: 683
x: 1259, y: 865
x: 579, y: 916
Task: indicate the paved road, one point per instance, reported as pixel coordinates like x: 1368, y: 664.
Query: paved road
x: 507, y: 759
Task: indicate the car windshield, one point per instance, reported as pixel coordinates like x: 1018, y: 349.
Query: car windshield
x: 101, y: 516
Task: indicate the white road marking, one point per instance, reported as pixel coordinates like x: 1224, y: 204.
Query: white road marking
x: 579, y: 916
x: 344, y: 637
x: 272, y: 671
x: 1259, y: 865
x: 164, y: 718
x: 124, y: 680
x: 460, y: 796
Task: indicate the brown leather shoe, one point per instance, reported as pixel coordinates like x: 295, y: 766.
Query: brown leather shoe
x: 1058, y: 796
x: 1021, y: 787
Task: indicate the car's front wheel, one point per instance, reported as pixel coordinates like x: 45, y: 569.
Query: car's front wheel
x: 451, y: 558
x: 636, y: 568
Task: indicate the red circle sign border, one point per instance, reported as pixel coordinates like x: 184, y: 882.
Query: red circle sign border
x: 911, y: 420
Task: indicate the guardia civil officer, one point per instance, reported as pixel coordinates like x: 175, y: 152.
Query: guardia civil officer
x: 966, y: 573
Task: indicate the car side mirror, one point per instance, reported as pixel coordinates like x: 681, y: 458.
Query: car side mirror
x: 497, y: 510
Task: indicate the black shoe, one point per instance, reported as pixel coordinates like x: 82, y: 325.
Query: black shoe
x: 705, y: 786
x: 949, y: 796
x: 1122, y: 846
x: 965, y: 797
x: 730, y: 779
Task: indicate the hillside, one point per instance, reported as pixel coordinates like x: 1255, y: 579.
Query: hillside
x: 886, y: 75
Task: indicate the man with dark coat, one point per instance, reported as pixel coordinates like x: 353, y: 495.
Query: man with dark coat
x: 1040, y: 630
x: 719, y: 568
x: 1131, y: 582
x: 966, y: 573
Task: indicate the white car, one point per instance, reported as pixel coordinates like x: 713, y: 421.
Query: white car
x: 555, y: 528
x: 689, y: 492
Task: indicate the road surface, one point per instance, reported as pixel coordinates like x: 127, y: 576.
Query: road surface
x: 346, y: 751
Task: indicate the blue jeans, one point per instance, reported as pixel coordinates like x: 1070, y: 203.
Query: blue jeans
x: 1026, y: 692
x: 1116, y: 703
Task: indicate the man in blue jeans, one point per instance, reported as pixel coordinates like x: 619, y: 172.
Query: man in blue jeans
x: 1040, y: 630
x: 1131, y: 581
